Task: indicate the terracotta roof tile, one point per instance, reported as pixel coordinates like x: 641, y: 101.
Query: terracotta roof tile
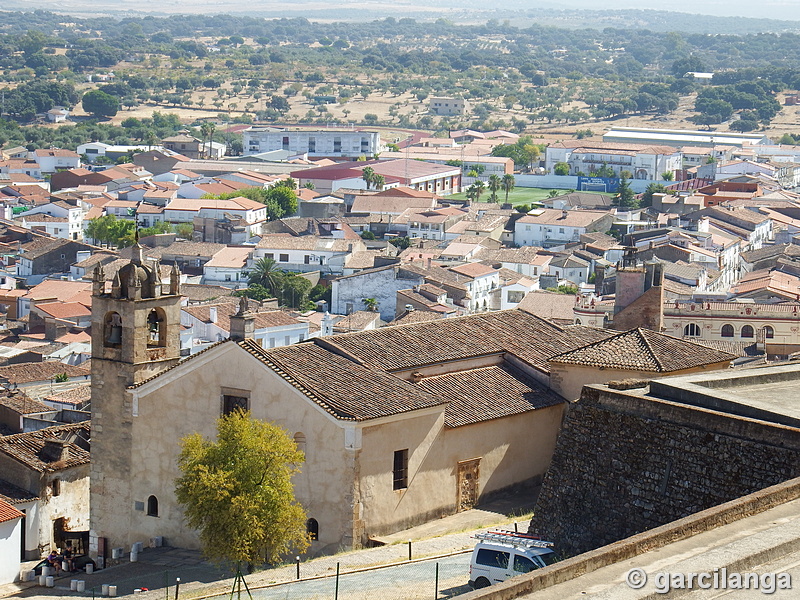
x: 487, y: 393
x: 27, y: 447
x: 644, y: 350
x: 8, y: 512
x: 42, y: 371
x: 13, y: 494
x: 343, y: 388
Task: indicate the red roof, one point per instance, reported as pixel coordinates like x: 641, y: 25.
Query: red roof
x: 8, y: 512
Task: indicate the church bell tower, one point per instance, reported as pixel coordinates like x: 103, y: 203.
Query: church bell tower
x: 135, y: 335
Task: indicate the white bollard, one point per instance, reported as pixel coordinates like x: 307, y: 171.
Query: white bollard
x: 73, y: 584
x: 104, y: 589
x: 137, y: 591
x: 112, y: 591
x: 89, y: 568
x: 134, y: 555
x: 50, y: 581
x: 65, y: 566
x: 81, y: 585
x: 42, y: 579
x: 45, y: 571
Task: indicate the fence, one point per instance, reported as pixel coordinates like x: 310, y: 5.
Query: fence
x: 432, y: 579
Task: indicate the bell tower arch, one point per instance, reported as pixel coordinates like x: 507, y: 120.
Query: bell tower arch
x: 135, y: 335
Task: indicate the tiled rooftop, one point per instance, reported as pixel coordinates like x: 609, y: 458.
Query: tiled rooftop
x: 644, y: 350
x: 487, y: 393
x: 27, y: 447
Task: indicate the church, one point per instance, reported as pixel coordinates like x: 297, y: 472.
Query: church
x: 399, y: 425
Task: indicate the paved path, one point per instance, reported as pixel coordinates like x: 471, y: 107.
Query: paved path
x: 157, y: 568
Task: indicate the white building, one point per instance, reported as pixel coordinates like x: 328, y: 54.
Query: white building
x: 446, y: 106
x: 642, y: 161
x: 308, y: 253
x: 58, y: 219
x: 228, y: 267
x: 547, y: 227
x: 50, y: 161
x: 10, y: 540
x: 333, y: 143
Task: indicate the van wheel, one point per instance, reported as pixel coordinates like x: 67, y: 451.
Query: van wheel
x: 481, y: 582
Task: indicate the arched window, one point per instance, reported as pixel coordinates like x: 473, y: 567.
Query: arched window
x: 769, y: 332
x: 747, y: 331
x: 300, y: 440
x: 152, y: 506
x: 692, y: 330
x: 577, y: 321
x: 727, y: 331
x: 312, y: 528
x: 112, y: 330
x: 155, y: 328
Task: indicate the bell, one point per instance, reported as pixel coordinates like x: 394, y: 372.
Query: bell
x: 115, y: 335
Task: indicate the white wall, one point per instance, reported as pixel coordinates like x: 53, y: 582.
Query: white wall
x: 10, y: 539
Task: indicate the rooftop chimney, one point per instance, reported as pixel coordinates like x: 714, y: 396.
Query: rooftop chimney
x: 55, y: 450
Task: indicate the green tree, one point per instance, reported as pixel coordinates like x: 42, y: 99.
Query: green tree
x: 184, y: 230
x: 561, y: 168
x: 494, y: 185
x: 266, y: 274
x: 647, y: 196
x: 370, y: 304
x: 237, y: 491
x: 668, y: 176
x: 625, y: 197
x: 368, y: 175
x: 294, y: 291
x: 99, y: 103
x: 508, y: 184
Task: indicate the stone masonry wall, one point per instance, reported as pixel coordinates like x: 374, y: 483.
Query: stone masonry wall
x: 624, y: 464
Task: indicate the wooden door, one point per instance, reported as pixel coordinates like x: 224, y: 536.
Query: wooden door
x: 468, y: 483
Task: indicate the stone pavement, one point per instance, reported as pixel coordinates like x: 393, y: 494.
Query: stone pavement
x: 157, y: 568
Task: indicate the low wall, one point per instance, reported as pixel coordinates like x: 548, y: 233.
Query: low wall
x: 659, y: 537
x: 570, y: 182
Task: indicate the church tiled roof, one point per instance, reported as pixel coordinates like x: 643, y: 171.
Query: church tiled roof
x: 347, y: 390
x: 487, y: 393
x: 644, y: 350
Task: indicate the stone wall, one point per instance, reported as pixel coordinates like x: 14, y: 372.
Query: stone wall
x: 625, y: 463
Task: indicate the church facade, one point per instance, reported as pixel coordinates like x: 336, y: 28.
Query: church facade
x: 385, y: 449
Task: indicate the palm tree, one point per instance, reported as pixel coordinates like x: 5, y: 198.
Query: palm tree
x: 379, y: 181
x: 368, y: 175
x: 205, y: 132
x: 476, y: 189
x: 494, y: 186
x: 508, y: 183
x: 266, y: 274
x: 370, y: 304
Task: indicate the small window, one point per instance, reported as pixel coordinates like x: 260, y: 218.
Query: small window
x: 769, y: 332
x: 55, y: 487
x: 747, y: 331
x: 312, y: 528
x: 692, y: 330
x: 400, y: 470
x: 232, y: 403
x: 283, y: 258
x: 523, y: 564
x: 492, y: 558
x: 727, y: 331
x: 152, y: 506
x: 269, y: 255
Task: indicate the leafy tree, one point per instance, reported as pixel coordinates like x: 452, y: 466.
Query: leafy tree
x: 255, y: 292
x: 111, y: 230
x: 647, y: 196
x: 237, y: 491
x: 668, y: 176
x: 184, y: 230
x: 294, y: 291
x: 370, y: 304
x: 99, y: 103
x: 508, y: 182
x: 523, y: 208
x: 400, y: 242
x: 625, y: 197
x: 561, y: 168
x: 367, y: 235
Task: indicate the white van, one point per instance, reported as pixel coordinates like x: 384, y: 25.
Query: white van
x: 503, y: 554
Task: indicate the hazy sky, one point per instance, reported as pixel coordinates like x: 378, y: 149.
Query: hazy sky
x: 766, y: 9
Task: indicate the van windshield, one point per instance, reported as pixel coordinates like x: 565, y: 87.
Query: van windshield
x: 549, y: 558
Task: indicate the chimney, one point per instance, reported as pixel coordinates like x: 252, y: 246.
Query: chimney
x: 243, y: 323
x: 55, y: 450
x: 212, y: 313
x: 429, y: 262
x: 564, y: 214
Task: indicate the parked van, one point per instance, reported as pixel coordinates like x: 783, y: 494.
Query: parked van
x: 503, y: 554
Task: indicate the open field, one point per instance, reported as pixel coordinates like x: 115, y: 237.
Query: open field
x: 519, y: 195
